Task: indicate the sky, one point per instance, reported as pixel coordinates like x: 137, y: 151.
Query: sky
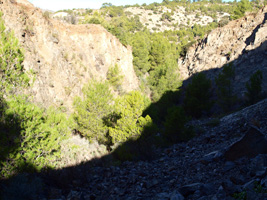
x: 55, y: 5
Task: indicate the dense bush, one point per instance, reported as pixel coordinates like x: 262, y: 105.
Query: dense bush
x: 164, y: 78
x: 114, y: 11
x: 93, y: 20
x: 110, y: 121
x: 141, y: 47
x: 90, y: 110
x: 35, y: 133
x: 175, y: 129
x: 115, y: 77
x: 242, y: 7
x: 130, y: 123
x: 254, y: 88
x: 224, y: 81
x: 166, y: 16
x: 11, y: 62
x: 198, y: 96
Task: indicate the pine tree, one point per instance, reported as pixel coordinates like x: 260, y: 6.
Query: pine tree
x: 141, y: 47
x: 254, y: 88
x: 130, y: 124
x: 198, y: 96
x: 224, y: 81
x: 115, y: 77
x: 175, y: 129
x: 90, y: 111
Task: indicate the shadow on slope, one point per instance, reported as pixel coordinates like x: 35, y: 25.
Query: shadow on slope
x: 19, y: 186
x: 144, y: 148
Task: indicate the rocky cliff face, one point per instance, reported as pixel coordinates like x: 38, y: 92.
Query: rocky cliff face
x: 64, y: 57
x: 243, y: 41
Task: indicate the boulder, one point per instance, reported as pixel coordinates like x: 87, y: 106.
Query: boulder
x: 252, y: 144
x: 176, y: 196
x: 186, y: 190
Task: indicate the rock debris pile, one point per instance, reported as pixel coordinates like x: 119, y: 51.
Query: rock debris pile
x: 213, y: 165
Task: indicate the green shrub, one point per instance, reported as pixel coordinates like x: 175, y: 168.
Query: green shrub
x: 141, y: 46
x: 130, y: 124
x: 35, y: 141
x: 115, y: 11
x: 242, y: 7
x: 89, y: 11
x: 224, y: 81
x: 254, y: 89
x: 94, y: 20
x: 198, y: 96
x: 11, y: 62
x: 175, y: 129
x: 240, y: 196
x: 166, y: 16
x: 115, y: 78
x: 90, y: 110
x: 164, y: 78
x: 224, y: 21
x: 163, y: 72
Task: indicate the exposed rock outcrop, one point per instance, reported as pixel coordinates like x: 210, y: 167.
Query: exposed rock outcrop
x: 242, y: 41
x: 64, y: 57
x: 251, y: 145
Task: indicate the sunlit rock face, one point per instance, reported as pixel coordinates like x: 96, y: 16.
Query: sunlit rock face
x: 64, y: 57
x: 243, y: 42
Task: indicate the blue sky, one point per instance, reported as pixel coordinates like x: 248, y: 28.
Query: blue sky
x: 69, y: 4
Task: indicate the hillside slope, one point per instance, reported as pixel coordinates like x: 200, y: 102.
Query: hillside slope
x: 242, y: 41
x: 157, y: 17
x: 197, y: 169
x: 64, y: 57
x: 207, y: 167
x: 180, y: 17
